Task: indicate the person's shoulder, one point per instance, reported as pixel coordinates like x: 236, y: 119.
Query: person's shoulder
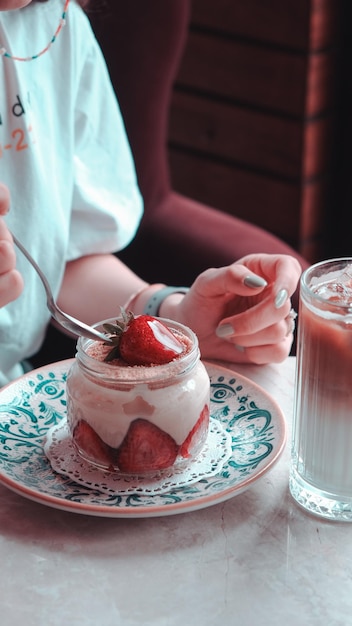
x: 77, y: 39
x: 77, y: 15
x: 78, y: 26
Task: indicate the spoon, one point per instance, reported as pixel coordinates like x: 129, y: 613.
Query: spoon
x: 64, y: 319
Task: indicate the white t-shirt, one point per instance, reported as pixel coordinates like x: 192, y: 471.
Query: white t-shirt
x: 65, y: 157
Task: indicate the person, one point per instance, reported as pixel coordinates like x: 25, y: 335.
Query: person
x: 69, y: 193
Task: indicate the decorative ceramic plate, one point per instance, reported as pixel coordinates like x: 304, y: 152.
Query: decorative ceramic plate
x: 34, y: 403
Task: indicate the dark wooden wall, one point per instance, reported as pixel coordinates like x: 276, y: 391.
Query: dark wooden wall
x: 254, y: 114
x: 340, y: 195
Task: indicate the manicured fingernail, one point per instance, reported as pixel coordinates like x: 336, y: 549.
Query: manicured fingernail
x: 226, y: 330
x: 3, y: 196
x: 281, y: 298
x: 255, y: 281
x: 239, y: 348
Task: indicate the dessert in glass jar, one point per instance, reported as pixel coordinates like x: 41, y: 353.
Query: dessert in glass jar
x: 141, y: 404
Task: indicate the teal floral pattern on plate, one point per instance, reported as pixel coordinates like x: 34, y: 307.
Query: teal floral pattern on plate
x: 30, y: 406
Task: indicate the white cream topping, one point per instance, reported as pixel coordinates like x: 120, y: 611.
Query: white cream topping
x: 174, y: 408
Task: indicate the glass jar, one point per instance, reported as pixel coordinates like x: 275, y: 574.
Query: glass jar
x: 139, y: 419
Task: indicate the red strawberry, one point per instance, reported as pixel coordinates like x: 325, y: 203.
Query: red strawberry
x: 92, y: 446
x: 143, y: 340
x: 146, y: 448
x: 197, y: 436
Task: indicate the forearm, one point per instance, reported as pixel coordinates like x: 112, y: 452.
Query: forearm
x: 94, y: 288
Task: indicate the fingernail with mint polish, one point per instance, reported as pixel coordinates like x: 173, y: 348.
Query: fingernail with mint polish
x: 226, y: 330
x: 3, y: 195
x: 281, y: 298
x: 255, y: 281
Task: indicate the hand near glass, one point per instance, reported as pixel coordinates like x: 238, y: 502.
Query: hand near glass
x: 248, y: 303
x: 11, y: 283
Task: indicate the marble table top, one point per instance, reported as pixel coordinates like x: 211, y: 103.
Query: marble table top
x: 256, y: 558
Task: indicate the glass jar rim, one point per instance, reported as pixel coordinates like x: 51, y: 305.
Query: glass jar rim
x: 125, y: 374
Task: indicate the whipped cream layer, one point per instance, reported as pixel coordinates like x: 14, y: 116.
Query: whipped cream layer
x: 174, y: 407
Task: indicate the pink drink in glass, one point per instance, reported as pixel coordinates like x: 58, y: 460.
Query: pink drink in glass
x: 321, y: 473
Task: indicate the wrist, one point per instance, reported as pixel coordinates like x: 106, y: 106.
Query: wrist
x: 164, y: 301
x: 138, y: 300
x: 157, y: 300
x: 169, y: 306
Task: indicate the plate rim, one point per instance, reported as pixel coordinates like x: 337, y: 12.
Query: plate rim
x: 203, y: 501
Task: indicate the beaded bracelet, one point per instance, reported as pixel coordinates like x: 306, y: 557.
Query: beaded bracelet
x: 153, y: 305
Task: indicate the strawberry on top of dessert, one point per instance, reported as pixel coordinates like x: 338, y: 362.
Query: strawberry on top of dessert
x: 142, y: 340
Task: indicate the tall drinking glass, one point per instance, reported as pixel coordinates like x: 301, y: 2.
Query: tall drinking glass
x: 321, y: 468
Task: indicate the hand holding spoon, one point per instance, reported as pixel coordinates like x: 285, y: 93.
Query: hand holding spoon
x: 64, y: 319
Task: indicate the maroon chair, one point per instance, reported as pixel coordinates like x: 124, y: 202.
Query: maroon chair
x: 143, y: 42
